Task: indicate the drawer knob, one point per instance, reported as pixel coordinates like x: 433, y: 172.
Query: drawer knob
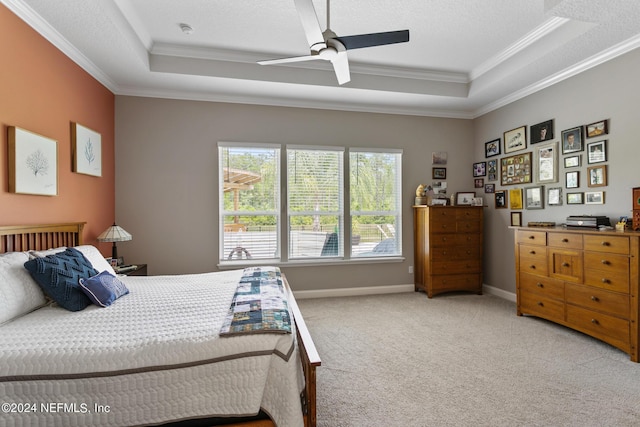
x: 540, y: 285
x: 532, y: 252
x: 595, y: 321
x: 565, y: 240
x: 605, y: 280
x: 605, y: 262
x: 606, y: 244
x: 532, y: 267
x: 594, y: 298
x: 540, y: 303
x: 566, y: 264
x: 532, y: 237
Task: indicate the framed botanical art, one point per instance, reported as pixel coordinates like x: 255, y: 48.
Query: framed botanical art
x: 574, y: 198
x: 594, y: 198
x: 541, y: 132
x: 516, y: 219
x: 501, y: 199
x: 573, y: 161
x: 546, y: 162
x: 554, y: 196
x: 597, y: 176
x: 492, y: 148
x: 480, y: 169
x: 515, y: 139
x: 516, y: 169
x: 534, y: 197
x: 597, y: 152
x: 515, y: 199
x: 86, y: 146
x: 572, y: 179
x: 598, y: 128
x: 572, y: 140
x: 33, y: 163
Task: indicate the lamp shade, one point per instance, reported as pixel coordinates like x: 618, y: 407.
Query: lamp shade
x: 115, y: 233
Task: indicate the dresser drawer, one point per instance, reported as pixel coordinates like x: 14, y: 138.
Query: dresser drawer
x: 565, y: 264
x: 447, y: 253
x: 443, y: 240
x: 606, y: 262
x: 544, y: 286
x: 602, y: 325
x: 565, y: 240
x: 533, y: 259
x: 456, y: 266
x: 617, y: 281
x: 592, y: 298
x: 468, y: 214
x: 469, y: 239
x: 468, y: 226
x: 443, y: 225
x: 457, y: 282
x: 609, y: 244
x: 542, y: 306
x: 531, y: 237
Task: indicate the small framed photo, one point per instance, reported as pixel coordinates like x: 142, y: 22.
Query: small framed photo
x: 546, y: 158
x: 598, y: 128
x: 574, y: 198
x: 573, y: 161
x: 492, y: 170
x: 439, y: 157
x: 534, y: 197
x: 572, y: 140
x: 480, y: 169
x: 492, y: 148
x: 478, y: 182
x: 542, y: 132
x: 515, y: 139
x: 597, y: 152
x: 594, y: 198
x: 554, y: 196
x: 515, y: 199
x: 572, y: 179
x: 464, y: 198
x: 597, y: 176
x: 489, y: 188
x: 501, y: 199
x: 439, y: 173
x: 516, y: 219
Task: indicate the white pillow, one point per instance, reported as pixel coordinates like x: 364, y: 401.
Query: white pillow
x: 90, y: 252
x: 19, y: 293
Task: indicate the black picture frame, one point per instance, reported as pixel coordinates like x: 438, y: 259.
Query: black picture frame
x: 541, y: 132
x: 439, y: 173
x: 492, y: 148
x: 572, y: 140
x: 500, y: 199
x: 480, y: 169
x: 597, y: 152
x: 597, y: 129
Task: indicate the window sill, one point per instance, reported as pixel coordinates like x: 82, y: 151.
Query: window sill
x: 229, y: 265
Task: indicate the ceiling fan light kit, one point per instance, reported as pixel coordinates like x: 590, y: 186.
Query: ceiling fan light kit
x: 328, y: 46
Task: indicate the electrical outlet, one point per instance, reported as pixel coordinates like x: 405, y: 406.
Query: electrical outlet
x: 411, y: 269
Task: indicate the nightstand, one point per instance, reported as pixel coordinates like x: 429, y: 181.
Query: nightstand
x: 140, y: 270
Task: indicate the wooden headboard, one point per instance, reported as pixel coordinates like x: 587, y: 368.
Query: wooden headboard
x: 40, y: 237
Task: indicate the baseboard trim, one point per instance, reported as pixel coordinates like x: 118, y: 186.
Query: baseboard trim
x: 350, y: 292
x: 501, y: 293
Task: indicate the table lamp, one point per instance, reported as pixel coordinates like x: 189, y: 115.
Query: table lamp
x: 114, y: 234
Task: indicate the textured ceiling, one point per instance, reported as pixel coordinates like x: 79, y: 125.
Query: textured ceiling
x: 465, y: 57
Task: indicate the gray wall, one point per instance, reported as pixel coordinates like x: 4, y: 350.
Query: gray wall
x: 609, y: 91
x: 166, y: 176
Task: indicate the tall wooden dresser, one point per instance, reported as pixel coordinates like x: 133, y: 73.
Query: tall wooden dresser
x: 448, y: 248
x: 584, y: 279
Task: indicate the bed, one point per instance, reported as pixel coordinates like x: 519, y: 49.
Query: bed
x: 153, y: 357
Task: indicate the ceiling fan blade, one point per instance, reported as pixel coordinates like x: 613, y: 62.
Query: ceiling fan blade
x: 341, y: 67
x: 292, y: 59
x: 375, y: 39
x: 311, y: 25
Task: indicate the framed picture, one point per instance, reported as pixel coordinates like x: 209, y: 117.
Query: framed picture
x: 572, y: 140
x: 492, y: 148
x: 598, y: 128
x: 554, y: 196
x: 489, y: 188
x: 478, y: 182
x: 501, y: 199
x: 516, y: 219
x: 572, y: 179
x: 439, y: 173
x: 439, y: 187
x: 546, y: 162
x: 516, y: 169
x: 534, y: 197
x: 542, y: 132
x: 492, y: 170
x: 480, y: 169
x: 515, y: 199
x: 464, y: 198
x: 33, y: 163
x: 573, y: 161
x: 594, y: 198
x: 439, y: 158
x: 597, y: 176
x: 86, y: 148
x: 597, y: 152
x: 515, y: 139
x: 574, y: 198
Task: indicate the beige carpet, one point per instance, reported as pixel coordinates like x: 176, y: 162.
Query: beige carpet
x: 462, y: 360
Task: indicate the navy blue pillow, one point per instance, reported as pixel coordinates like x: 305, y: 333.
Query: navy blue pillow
x: 59, y: 275
x: 103, y: 289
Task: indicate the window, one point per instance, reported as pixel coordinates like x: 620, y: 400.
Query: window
x: 327, y: 214
x: 375, y: 208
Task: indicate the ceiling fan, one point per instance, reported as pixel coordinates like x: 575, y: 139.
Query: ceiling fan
x: 328, y: 46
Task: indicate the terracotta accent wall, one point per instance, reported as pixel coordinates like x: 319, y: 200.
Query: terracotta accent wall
x: 43, y: 91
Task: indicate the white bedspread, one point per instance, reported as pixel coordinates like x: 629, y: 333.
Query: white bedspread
x: 152, y: 357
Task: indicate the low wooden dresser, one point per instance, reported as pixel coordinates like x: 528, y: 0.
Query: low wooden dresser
x: 584, y: 279
x: 448, y: 248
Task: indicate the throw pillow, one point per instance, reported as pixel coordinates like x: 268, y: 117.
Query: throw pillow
x: 19, y: 293
x: 103, y: 289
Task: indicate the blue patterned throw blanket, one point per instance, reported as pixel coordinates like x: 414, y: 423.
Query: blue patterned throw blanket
x: 259, y: 304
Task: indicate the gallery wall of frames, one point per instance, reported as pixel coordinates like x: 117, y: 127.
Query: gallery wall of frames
x: 539, y: 166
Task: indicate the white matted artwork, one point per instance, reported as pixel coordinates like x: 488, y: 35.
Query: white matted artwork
x: 33, y: 163
x: 87, y: 150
